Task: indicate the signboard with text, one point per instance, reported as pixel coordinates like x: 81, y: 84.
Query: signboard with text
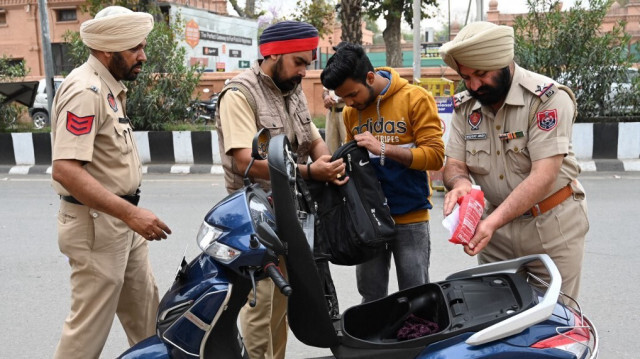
x: 210, y: 51
x: 229, y: 43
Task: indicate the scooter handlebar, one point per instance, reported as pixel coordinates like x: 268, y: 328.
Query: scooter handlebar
x: 278, y: 279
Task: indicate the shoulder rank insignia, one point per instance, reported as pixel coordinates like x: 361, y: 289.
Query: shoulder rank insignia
x: 545, y: 91
x: 112, y: 102
x: 542, y: 87
x: 475, y: 119
x: 79, y: 125
x: 461, y: 98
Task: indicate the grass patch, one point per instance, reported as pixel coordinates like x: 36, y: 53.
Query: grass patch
x: 320, y: 121
x: 188, y: 127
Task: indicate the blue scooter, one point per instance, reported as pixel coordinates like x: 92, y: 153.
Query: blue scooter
x: 489, y: 311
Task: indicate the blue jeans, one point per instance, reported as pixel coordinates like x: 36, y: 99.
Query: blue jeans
x: 411, y: 249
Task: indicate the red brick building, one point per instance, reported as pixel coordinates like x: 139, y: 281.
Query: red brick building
x: 21, y: 29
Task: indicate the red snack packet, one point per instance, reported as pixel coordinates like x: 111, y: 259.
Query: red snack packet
x: 471, y: 208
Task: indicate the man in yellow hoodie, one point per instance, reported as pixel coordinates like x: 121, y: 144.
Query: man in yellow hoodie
x: 398, y: 124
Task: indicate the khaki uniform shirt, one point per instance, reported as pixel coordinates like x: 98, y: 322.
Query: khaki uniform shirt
x: 542, y: 110
x: 89, y: 124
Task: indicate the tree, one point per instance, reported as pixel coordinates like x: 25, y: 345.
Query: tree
x: 10, y: 71
x: 393, y: 12
x: 319, y: 13
x: 161, y: 93
x: 569, y: 46
x: 350, y: 15
x: 249, y: 10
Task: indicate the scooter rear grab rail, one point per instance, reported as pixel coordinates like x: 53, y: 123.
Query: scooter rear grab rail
x: 529, y: 317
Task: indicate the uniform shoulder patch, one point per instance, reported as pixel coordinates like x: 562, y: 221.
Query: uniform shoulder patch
x: 547, y: 119
x: 461, y: 98
x: 79, y: 125
x: 542, y: 87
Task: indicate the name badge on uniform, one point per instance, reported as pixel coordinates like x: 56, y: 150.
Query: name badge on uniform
x: 474, y: 120
x: 476, y: 136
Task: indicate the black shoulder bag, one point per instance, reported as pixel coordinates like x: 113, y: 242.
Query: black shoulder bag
x: 354, y: 220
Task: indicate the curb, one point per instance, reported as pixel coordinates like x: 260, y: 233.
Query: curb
x: 597, y: 146
x: 603, y: 165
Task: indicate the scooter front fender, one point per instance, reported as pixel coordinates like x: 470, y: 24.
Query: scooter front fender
x: 150, y: 348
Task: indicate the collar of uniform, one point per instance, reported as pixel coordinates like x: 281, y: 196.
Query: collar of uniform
x: 515, y: 97
x: 114, y: 85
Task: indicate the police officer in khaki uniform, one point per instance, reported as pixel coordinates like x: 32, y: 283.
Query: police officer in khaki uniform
x: 97, y: 173
x: 511, y: 133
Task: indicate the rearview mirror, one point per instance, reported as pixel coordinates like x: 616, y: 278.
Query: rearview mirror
x: 260, y: 145
x: 259, y: 150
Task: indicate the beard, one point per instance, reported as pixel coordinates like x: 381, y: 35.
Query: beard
x: 285, y: 85
x: 490, y: 95
x: 369, y: 101
x: 120, y: 70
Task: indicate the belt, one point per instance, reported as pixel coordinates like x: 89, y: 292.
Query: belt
x: 131, y: 198
x: 548, y: 203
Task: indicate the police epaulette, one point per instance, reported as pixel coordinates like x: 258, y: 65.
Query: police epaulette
x: 461, y: 98
x: 542, y: 87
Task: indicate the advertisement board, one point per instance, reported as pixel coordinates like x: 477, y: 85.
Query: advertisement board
x: 217, y: 42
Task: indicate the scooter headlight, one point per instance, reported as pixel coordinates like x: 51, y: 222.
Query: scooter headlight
x: 207, y: 239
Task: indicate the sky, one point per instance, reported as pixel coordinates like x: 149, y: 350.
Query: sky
x: 458, y: 9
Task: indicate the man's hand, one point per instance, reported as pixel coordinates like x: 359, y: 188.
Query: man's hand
x: 368, y: 141
x: 456, y: 179
x: 322, y: 169
x: 481, y: 238
x: 147, y: 224
x: 328, y: 101
x: 451, y: 198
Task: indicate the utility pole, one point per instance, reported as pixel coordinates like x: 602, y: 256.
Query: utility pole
x: 479, y: 10
x: 417, y: 16
x: 46, y: 53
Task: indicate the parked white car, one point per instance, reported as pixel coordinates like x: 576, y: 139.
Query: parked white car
x: 39, y: 112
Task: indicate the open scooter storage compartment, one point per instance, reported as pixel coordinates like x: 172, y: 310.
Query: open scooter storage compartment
x: 456, y: 306
x: 380, y: 320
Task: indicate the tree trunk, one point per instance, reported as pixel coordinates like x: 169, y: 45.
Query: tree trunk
x: 350, y: 15
x: 250, y: 9
x: 392, y: 37
x: 237, y: 8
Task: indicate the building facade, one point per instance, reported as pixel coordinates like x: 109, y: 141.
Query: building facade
x: 21, y: 29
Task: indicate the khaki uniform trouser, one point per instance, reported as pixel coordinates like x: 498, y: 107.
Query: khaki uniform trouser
x: 264, y: 327
x: 335, y: 131
x: 560, y: 233
x: 110, y: 274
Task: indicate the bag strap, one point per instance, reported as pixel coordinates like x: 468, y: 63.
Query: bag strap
x: 306, y: 195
